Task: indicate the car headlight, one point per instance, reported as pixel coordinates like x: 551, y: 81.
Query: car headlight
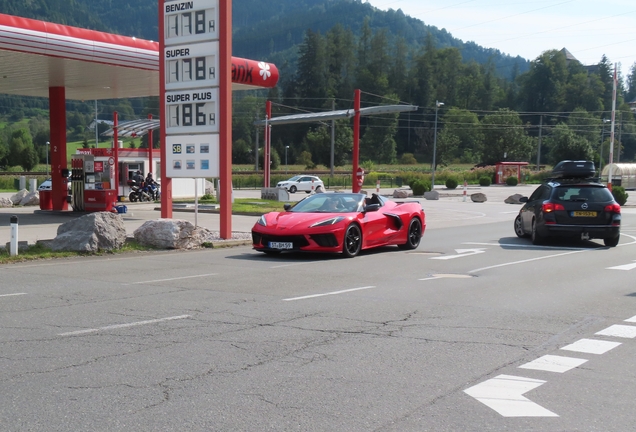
x: 331, y: 221
x: 262, y: 221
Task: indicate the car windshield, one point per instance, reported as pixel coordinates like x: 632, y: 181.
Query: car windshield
x: 583, y: 193
x: 329, y: 203
x: 294, y: 178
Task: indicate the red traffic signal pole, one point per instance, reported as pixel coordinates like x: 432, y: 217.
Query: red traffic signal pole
x: 356, y: 140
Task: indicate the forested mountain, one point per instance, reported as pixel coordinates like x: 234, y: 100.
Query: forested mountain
x: 494, y: 106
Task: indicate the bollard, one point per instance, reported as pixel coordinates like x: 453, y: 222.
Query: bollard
x: 465, y: 186
x: 13, y: 248
x: 377, y: 187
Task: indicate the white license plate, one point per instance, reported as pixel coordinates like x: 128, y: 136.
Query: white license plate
x: 281, y: 245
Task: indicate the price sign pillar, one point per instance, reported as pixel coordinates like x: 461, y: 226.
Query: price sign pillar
x: 196, y: 97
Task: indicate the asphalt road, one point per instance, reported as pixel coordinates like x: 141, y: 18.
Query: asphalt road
x: 466, y: 333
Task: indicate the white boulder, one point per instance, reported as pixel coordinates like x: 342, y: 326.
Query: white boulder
x: 15, y: 199
x: 31, y: 199
x: 171, y: 234
x: 91, y: 233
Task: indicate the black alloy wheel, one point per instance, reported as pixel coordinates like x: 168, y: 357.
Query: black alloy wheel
x: 519, y: 227
x: 414, y: 235
x: 536, y: 237
x: 132, y: 197
x: 352, y: 241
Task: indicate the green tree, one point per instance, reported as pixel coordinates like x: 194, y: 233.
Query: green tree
x: 21, y: 150
x: 544, y: 85
x: 504, y: 138
x: 565, y: 144
x: 465, y: 126
x: 378, y: 143
x: 311, y: 75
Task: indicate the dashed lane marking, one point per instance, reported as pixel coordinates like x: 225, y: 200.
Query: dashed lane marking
x: 552, y: 363
x: 618, y: 330
x: 329, y: 293
x: 12, y: 295
x: 119, y: 326
x: 591, y: 346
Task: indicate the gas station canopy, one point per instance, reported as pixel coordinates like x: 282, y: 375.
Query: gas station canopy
x: 37, y: 55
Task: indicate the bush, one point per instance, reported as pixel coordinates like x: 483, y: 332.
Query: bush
x: 451, y: 183
x: 484, y: 181
x: 408, y: 159
x: 619, y: 194
x: 419, y: 187
x: 512, y: 181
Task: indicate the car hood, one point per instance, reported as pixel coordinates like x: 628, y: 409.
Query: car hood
x: 291, y: 220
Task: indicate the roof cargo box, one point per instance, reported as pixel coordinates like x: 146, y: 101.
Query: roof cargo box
x: 574, y: 169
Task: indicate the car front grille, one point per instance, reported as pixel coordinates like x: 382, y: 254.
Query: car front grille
x: 325, y: 240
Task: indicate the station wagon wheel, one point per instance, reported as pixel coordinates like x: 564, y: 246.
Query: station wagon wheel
x: 292, y: 189
x: 519, y: 227
x: 413, y: 236
x: 612, y: 241
x: 536, y: 237
x: 352, y: 241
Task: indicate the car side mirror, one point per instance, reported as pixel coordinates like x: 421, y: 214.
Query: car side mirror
x: 372, y: 208
x: 287, y: 207
x: 523, y: 199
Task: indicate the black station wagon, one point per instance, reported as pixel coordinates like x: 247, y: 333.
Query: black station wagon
x: 572, y: 206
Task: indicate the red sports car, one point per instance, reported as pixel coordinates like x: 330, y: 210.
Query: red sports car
x: 340, y: 223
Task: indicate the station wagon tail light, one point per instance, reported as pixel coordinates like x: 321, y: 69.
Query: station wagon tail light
x: 613, y: 208
x: 549, y: 207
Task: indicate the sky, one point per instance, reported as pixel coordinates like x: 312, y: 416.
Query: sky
x: 587, y: 28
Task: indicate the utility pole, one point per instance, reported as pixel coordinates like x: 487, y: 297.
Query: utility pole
x: 539, y: 149
x: 333, y: 136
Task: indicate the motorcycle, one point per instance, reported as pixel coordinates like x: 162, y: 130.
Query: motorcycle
x: 138, y: 192
x: 154, y: 192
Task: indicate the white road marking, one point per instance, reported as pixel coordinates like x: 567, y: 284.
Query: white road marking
x: 623, y: 267
x: 552, y: 363
x: 461, y: 253
x: 591, y: 346
x: 430, y: 278
x: 118, y: 326
x: 618, y: 330
x: 504, y: 394
x: 524, y: 246
x: 528, y: 260
x: 11, y: 295
x: 632, y: 319
x: 171, y: 279
x: 328, y: 294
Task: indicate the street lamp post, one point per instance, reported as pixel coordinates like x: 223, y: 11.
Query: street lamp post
x: 286, y: 147
x: 47, y: 157
x: 437, y: 105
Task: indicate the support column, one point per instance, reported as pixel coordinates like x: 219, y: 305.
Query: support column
x: 225, y: 108
x: 356, y: 140
x: 150, y: 170
x: 57, y: 125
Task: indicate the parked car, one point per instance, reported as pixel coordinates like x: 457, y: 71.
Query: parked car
x: 47, y: 184
x: 343, y: 223
x: 303, y: 183
x: 573, y: 205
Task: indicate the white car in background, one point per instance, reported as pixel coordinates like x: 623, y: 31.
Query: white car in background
x: 47, y: 184
x: 304, y: 183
